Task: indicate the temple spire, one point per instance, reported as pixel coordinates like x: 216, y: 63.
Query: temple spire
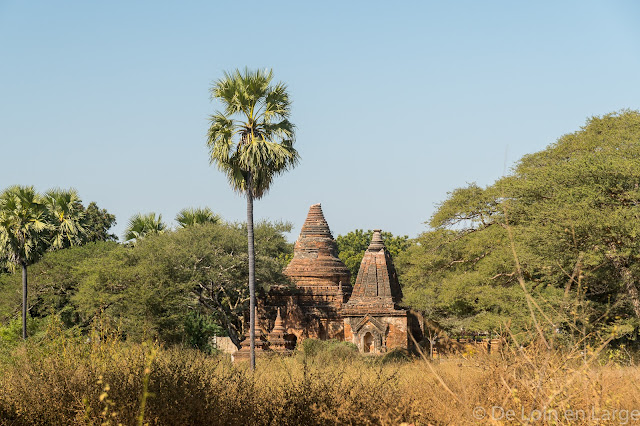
x: 377, y: 283
x: 279, y: 324
x: 315, y: 225
x: 244, y: 351
x: 315, y: 261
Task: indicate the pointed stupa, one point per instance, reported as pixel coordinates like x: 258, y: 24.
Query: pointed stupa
x: 277, y: 342
x: 376, y: 286
x: 315, y: 255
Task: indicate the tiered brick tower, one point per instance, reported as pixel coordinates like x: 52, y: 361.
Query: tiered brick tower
x: 372, y: 319
x: 321, y: 280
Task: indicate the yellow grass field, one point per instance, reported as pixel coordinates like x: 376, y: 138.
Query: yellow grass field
x: 60, y: 380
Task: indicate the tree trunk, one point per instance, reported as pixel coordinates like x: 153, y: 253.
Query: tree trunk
x: 24, y: 299
x: 232, y: 331
x: 252, y: 275
x: 627, y: 279
x: 630, y: 286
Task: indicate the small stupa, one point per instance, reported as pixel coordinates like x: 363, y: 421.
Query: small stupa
x: 245, y: 346
x: 277, y: 341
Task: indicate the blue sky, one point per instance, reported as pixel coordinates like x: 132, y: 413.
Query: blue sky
x: 395, y: 104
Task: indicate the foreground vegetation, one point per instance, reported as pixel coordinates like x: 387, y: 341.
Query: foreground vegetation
x: 546, y: 258
x: 59, y: 378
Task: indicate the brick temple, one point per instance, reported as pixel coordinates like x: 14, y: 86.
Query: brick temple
x: 323, y: 305
x: 372, y: 318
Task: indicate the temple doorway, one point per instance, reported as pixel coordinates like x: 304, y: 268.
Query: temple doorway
x: 367, y: 343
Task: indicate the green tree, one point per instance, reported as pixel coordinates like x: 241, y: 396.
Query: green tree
x: 54, y: 280
x: 196, y: 216
x: 577, y: 206
x: 159, y: 285
x: 97, y: 223
x: 464, y: 281
x: 66, y: 215
x: 23, y: 232
x: 351, y: 247
x: 251, y: 141
x: 141, y: 225
x: 572, y: 211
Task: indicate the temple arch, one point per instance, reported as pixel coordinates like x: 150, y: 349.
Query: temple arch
x: 367, y: 343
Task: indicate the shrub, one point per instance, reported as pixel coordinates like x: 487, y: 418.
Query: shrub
x: 329, y: 350
x: 64, y: 378
x: 396, y: 355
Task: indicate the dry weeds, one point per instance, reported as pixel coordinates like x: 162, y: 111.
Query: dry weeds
x: 102, y: 381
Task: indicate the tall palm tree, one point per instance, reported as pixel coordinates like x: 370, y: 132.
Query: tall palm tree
x: 144, y: 224
x: 66, y: 214
x: 23, y: 233
x: 251, y: 141
x: 196, y: 216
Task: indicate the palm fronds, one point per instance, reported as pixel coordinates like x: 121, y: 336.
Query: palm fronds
x: 253, y: 138
x: 141, y: 225
x: 196, y: 216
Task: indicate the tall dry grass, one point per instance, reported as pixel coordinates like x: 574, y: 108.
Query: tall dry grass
x: 60, y: 380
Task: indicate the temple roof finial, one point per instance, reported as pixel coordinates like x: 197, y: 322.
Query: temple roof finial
x: 376, y: 241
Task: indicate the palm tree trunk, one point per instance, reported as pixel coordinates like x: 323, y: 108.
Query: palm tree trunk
x: 252, y: 275
x: 24, y: 299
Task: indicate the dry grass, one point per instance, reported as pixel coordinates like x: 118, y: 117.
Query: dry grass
x: 59, y: 380
x: 536, y: 386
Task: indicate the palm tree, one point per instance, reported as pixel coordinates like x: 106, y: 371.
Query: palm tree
x: 23, y: 233
x: 144, y: 224
x: 66, y: 215
x: 197, y: 216
x: 251, y: 141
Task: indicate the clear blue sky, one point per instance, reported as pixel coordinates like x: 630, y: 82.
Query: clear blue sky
x: 395, y: 104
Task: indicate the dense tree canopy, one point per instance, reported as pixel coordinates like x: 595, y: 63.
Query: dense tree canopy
x: 58, y: 218
x: 65, y: 214
x: 24, y: 226
x: 573, y: 212
x: 180, y: 286
x: 97, y: 223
